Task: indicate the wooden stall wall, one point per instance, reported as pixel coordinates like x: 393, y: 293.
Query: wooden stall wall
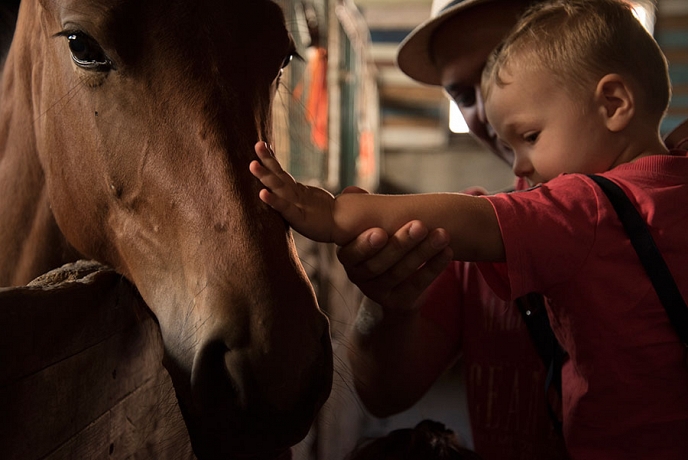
x: 81, y: 373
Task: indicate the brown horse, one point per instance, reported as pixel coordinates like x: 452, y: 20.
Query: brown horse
x: 126, y: 130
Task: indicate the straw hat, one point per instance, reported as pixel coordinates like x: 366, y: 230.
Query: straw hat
x: 413, y: 57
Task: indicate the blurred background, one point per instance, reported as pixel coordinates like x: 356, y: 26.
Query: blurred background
x: 345, y: 115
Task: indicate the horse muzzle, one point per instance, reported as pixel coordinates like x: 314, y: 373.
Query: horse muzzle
x: 251, y: 401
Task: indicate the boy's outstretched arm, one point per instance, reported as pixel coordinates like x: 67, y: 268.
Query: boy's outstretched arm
x: 307, y: 209
x: 470, y: 221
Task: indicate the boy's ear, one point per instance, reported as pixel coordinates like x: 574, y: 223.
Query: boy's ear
x: 616, y: 101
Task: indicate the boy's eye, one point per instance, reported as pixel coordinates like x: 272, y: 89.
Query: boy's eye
x: 531, y: 138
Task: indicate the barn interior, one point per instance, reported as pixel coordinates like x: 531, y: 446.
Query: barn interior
x: 344, y: 115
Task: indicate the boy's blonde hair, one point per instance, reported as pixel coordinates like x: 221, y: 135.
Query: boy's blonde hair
x: 580, y: 41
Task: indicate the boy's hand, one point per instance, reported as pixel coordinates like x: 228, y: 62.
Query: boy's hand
x: 307, y: 209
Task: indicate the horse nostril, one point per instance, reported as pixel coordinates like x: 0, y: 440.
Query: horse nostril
x: 246, y: 391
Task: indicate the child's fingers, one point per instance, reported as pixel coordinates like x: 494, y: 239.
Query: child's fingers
x: 263, y: 150
x: 267, y: 197
x: 266, y: 177
x: 281, y: 193
x: 274, y: 201
x: 284, y: 207
x: 270, y: 165
x: 260, y: 171
x: 267, y: 158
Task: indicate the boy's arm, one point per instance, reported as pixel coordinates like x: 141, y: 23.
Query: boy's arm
x: 470, y: 221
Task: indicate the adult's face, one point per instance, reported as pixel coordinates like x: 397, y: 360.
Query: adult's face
x: 460, y: 48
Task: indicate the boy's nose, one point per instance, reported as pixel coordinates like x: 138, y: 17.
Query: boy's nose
x: 522, y: 166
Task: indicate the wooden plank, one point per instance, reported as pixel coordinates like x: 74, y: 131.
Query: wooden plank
x: 44, y: 324
x: 398, y: 121
x: 81, y: 374
x: 145, y: 425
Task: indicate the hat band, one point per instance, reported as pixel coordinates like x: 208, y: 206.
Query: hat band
x: 450, y: 4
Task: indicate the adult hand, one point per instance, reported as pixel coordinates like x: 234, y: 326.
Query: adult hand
x: 395, y: 270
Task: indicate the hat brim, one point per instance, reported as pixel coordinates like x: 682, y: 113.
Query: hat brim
x: 413, y: 55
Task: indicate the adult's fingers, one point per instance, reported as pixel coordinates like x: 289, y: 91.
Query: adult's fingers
x: 373, y: 252
x: 404, y: 295
x: 371, y: 258
x: 354, y: 255
x: 402, y: 268
x: 410, y: 247
x: 412, y: 266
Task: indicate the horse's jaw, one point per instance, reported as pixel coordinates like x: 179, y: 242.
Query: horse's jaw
x: 243, y: 392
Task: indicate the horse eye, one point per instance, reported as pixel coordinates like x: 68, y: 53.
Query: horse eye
x: 285, y: 63
x: 287, y: 60
x: 87, y: 54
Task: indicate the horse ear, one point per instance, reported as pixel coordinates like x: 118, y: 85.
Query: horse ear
x: 616, y: 101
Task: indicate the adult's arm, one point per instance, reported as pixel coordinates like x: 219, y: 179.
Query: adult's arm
x: 396, y: 354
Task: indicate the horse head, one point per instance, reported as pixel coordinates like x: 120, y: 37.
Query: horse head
x: 127, y: 128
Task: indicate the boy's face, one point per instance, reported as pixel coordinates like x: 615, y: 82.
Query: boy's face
x: 549, y: 130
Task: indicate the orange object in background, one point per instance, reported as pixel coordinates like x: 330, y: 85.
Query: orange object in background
x: 316, y: 102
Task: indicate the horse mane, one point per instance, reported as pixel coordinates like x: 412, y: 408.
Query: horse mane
x: 9, y: 10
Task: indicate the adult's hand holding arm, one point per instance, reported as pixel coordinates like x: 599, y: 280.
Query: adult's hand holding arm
x: 391, y: 344
x: 394, y: 270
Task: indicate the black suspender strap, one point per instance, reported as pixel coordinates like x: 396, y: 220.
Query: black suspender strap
x: 534, y: 314
x: 652, y: 260
x: 532, y: 308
